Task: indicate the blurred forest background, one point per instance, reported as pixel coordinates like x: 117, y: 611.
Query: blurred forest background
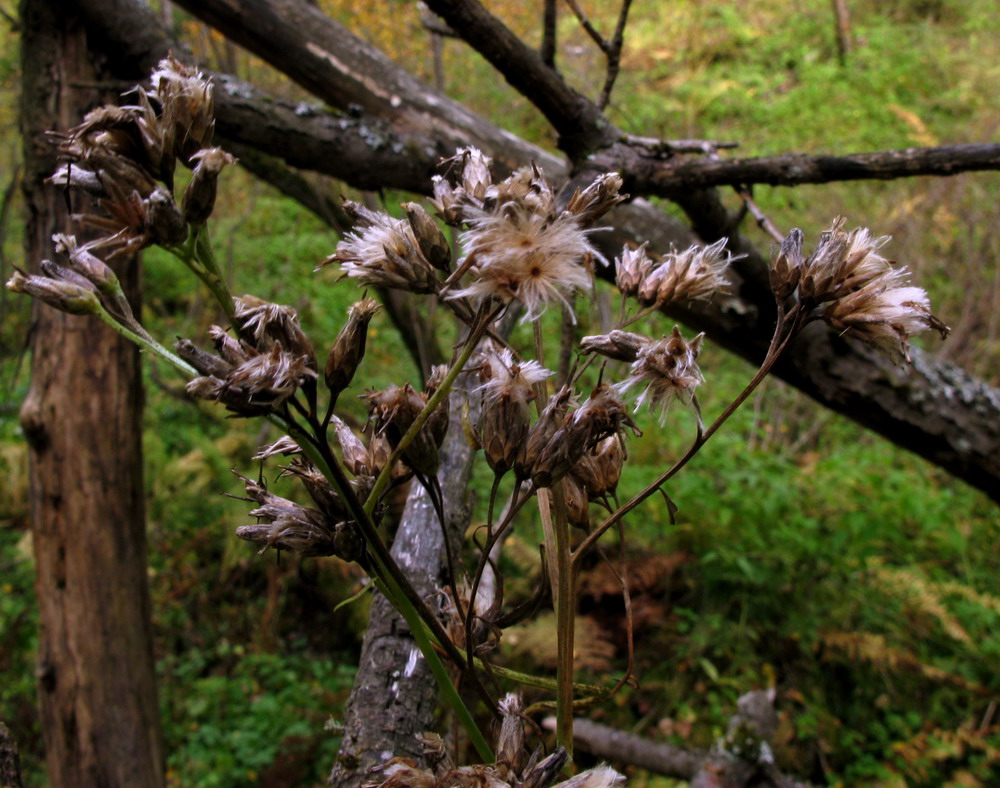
x: 861, y: 581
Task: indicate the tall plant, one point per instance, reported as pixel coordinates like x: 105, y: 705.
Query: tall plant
x: 556, y: 443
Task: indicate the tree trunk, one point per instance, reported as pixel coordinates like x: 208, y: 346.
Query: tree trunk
x: 82, y: 421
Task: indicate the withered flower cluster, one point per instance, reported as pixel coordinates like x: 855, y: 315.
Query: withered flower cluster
x: 850, y: 285
x: 579, y: 444
x: 126, y: 157
x: 696, y: 273
x: 515, y: 765
x: 257, y: 372
x: 296, y: 528
x: 517, y: 244
x: 395, y: 410
x: 665, y: 368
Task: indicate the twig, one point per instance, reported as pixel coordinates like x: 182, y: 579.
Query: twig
x: 548, y: 47
x: 614, y: 53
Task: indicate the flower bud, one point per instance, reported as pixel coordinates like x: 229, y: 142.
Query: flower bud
x: 349, y: 348
x: 71, y: 297
x: 199, y: 197
x: 432, y: 242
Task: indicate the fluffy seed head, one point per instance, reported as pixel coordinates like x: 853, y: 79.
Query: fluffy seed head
x: 668, y: 368
x: 885, y: 313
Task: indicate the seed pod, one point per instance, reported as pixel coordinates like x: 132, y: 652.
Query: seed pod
x: 430, y: 239
x: 349, y: 348
x: 199, y: 197
x: 618, y: 345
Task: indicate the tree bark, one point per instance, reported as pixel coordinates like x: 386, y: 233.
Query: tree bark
x: 971, y: 448
x: 395, y: 695
x: 82, y: 422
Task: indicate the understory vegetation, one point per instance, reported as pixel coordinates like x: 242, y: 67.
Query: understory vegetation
x: 807, y: 554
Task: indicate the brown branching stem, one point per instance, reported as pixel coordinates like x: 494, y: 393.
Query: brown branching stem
x: 787, y: 327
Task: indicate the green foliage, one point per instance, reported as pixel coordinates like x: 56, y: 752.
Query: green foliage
x: 811, y: 554
x: 260, y: 722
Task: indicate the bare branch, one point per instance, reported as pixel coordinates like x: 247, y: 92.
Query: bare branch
x: 614, y: 53
x: 548, y: 48
x: 959, y: 433
x: 794, y: 169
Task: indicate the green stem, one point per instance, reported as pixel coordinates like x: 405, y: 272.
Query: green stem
x: 198, y: 255
x: 382, y: 482
x: 397, y: 590
x: 147, y: 343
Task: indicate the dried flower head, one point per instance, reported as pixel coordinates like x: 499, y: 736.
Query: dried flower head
x: 508, y: 386
x: 88, y: 265
x: 199, y: 196
x: 187, y: 105
x: 602, y: 414
x: 513, y: 252
x: 289, y: 526
x: 842, y: 262
x: 432, y: 242
x: 542, y: 435
x: 597, y: 199
x: 632, y: 268
x: 617, y: 344
x: 668, y: 368
x: 245, y: 380
x: 885, y: 313
x: 349, y: 348
x: 76, y: 296
x: 394, y: 410
x: 385, y: 253
x: 786, y: 267
x: 697, y: 272
x: 600, y: 469
x: 268, y: 323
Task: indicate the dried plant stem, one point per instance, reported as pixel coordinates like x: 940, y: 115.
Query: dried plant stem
x: 565, y: 603
x: 787, y: 327
x: 558, y: 551
x: 435, y: 400
x: 395, y: 586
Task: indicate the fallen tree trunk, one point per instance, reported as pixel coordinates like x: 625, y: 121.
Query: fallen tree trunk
x: 934, y: 409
